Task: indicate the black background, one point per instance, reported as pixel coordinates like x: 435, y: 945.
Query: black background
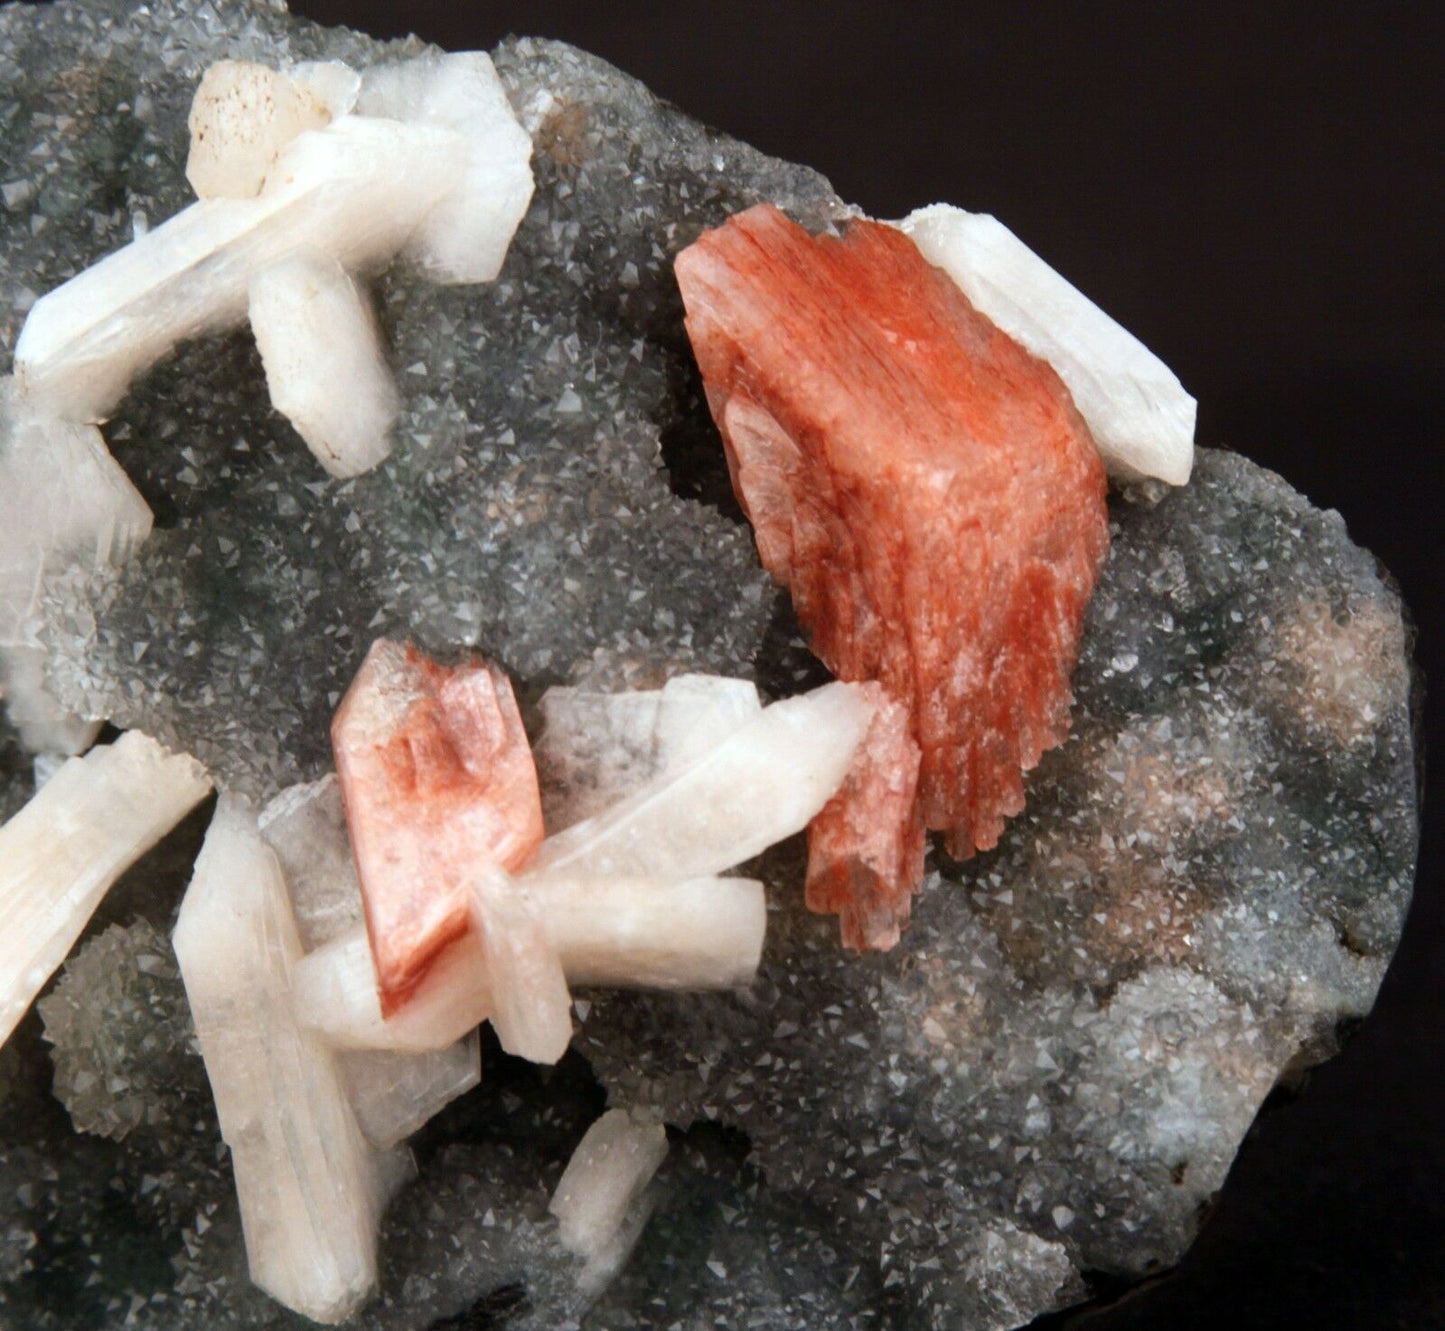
x: 1254, y: 190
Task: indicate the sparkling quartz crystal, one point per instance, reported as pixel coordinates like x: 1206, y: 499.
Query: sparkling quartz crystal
x: 324, y: 364
x: 600, y: 1202
x: 438, y: 781
x: 117, y: 1030
x: 923, y: 487
x: 310, y: 1187
x: 1138, y: 413
x: 61, y: 853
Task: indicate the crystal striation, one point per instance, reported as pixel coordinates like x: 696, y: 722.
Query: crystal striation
x: 922, y: 486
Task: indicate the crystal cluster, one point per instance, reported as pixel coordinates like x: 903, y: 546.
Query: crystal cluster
x: 1048, y: 1076
x: 115, y: 1075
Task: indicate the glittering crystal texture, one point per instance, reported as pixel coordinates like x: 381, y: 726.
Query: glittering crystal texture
x: 1047, y: 1076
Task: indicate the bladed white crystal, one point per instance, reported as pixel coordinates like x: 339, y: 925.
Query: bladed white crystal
x: 306, y: 826
x: 356, y: 190
x: 62, y: 852
x: 1135, y: 407
x: 311, y: 1189
x: 601, y: 1201
x: 626, y: 933
x: 597, y: 748
x: 63, y: 500
x: 324, y: 365
x: 392, y: 1092
x: 761, y: 784
x: 465, y: 237
x: 623, y: 933
x: 531, y: 1006
x: 243, y: 117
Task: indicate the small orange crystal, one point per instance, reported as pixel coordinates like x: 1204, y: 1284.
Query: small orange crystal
x: 438, y: 782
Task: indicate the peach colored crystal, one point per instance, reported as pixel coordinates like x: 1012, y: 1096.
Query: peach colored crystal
x: 865, y: 846
x: 922, y: 485
x: 438, y: 781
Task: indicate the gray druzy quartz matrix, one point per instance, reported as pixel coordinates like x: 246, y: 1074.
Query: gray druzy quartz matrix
x: 1051, y: 1074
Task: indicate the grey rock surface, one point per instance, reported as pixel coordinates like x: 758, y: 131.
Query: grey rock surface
x: 1051, y: 1075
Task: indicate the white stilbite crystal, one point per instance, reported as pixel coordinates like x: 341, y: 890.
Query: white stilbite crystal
x: 334, y: 84
x: 601, y: 1202
x: 324, y: 365
x: 531, y: 1006
x: 394, y: 1094
x: 62, y: 852
x: 1136, y: 409
x: 306, y: 826
x: 625, y: 933
x: 597, y: 748
x: 63, y: 500
x: 355, y: 190
x: 761, y: 784
x: 465, y: 237
x: 243, y: 117
x: 335, y: 993
x: 310, y: 1187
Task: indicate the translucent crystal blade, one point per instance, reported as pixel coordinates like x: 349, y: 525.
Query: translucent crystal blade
x: 61, y: 853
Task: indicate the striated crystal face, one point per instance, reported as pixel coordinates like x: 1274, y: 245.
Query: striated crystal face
x: 1051, y: 1072
x: 923, y: 487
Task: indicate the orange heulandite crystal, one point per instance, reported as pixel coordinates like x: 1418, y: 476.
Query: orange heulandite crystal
x: 865, y: 846
x: 438, y: 782
x: 923, y: 486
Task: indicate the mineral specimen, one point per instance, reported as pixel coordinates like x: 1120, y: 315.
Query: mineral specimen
x: 1137, y: 412
x: 243, y: 118
x: 600, y: 1203
x: 1051, y: 1072
x: 924, y: 488
x: 865, y: 847
x: 63, y: 500
x: 311, y: 1188
x: 324, y: 365
x: 438, y: 782
x: 67, y: 846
